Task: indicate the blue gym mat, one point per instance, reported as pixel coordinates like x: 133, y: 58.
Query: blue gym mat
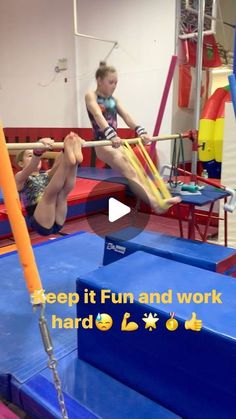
x: 191, y: 373
x: 60, y: 262
x: 1, y: 197
x: 208, y: 195
x: 86, y: 386
x: 192, y: 252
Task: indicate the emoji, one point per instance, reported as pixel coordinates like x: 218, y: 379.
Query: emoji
x: 103, y: 322
x: 128, y: 327
x: 150, y: 321
x: 193, y: 323
x: 172, y: 323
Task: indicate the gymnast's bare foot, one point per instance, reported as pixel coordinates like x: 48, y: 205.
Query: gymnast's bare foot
x: 167, y: 204
x: 77, y: 148
x: 174, y: 200
x: 69, y: 149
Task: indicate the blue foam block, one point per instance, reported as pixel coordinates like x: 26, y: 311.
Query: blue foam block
x: 191, y: 373
x: 232, y: 83
x: 87, y: 208
x: 39, y: 400
x: 86, y: 389
x: 59, y: 262
x: 5, y: 228
x: 204, y: 255
x: 1, y: 197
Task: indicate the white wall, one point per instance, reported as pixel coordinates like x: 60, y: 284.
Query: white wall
x: 224, y: 33
x: 145, y: 32
x: 219, y: 78
x: 33, y: 36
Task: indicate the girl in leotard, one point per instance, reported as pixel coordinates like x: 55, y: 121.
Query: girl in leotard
x: 44, y: 194
x: 103, y: 109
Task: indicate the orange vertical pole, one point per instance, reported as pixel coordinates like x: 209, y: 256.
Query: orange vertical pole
x: 17, y: 221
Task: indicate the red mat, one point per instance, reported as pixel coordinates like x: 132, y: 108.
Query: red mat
x: 5, y: 413
x: 85, y: 188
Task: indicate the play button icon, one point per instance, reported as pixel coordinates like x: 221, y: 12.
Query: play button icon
x: 117, y: 210
x: 111, y: 206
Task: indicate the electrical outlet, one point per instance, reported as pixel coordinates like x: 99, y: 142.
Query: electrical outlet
x: 61, y: 65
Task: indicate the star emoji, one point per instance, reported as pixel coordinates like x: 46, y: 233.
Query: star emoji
x: 150, y: 321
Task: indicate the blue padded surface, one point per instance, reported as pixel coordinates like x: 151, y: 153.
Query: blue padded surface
x: 59, y: 262
x: 1, y: 197
x: 38, y: 399
x: 87, y: 208
x: 84, y: 385
x: 208, y: 195
x: 192, y: 374
x: 101, y: 174
x: 191, y: 252
x: 5, y: 228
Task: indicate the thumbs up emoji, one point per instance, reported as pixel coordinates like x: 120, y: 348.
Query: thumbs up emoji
x: 193, y: 324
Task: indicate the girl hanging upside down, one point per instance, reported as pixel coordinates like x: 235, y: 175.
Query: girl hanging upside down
x: 102, y: 109
x: 44, y: 194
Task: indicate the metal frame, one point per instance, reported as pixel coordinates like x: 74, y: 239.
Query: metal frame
x: 88, y: 36
x: 213, y: 19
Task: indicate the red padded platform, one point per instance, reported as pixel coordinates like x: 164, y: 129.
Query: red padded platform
x: 85, y: 187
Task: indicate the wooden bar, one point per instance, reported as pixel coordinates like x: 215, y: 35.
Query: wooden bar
x: 46, y: 155
x: 99, y: 143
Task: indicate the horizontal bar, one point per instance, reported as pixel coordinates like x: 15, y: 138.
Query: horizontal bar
x: 195, y: 34
x: 46, y: 155
x: 87, y: 144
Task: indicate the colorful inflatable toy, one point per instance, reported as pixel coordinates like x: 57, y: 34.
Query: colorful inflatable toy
x: 211, y: 130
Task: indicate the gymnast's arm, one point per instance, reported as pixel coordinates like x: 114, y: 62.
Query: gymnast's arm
x: 35, y: 157
x: 125, y: 116
x: 23, y: 174
x: 56, y: 163
x: 140, y: 131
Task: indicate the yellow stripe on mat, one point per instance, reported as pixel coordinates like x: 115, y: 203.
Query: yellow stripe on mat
x: 7, y: 249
